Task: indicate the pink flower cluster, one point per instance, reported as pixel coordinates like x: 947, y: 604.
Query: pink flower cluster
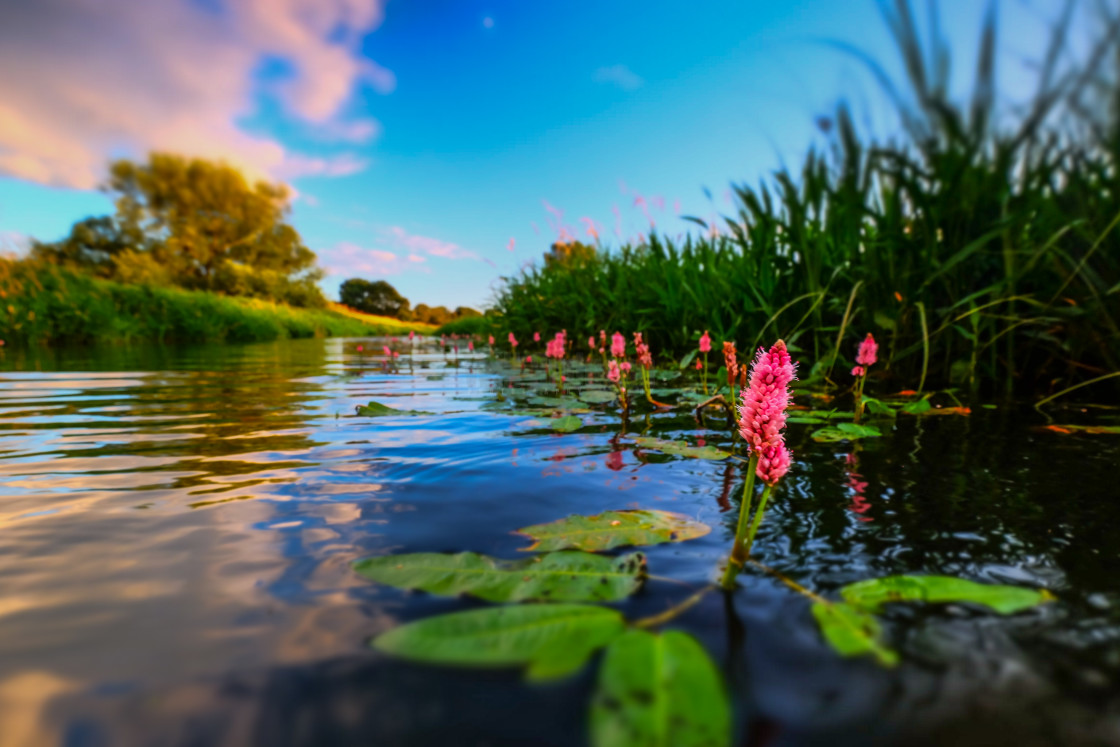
x: 866, y: 356
x: 705, y: 342
x: 554, y: 348
x: 645, y: 358
x: 762, y: 411
x: 618, y: 345
x: 512, y: 340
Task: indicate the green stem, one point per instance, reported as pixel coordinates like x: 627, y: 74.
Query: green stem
x: 704, y: 374
x: 735, y: 562
x: 758, y: 518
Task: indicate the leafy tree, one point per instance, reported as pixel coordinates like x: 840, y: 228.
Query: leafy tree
x: 200, y: 225
x: 374, y: 297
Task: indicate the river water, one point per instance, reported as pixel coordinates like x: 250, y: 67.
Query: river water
x: 177, y: 528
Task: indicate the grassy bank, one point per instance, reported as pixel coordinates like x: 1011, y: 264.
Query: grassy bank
x: 41, y: 303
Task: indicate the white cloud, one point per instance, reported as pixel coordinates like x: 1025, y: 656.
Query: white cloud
x: 618, y: 75
x: 87, y: 80
x: 350, y: 260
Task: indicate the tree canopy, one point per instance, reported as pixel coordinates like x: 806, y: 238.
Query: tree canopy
x: 374, y: 297
x: 196, y: 224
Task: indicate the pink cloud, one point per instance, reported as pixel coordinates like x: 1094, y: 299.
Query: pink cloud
x: 349, y: 259
x: 427, y: 245
x: 118, y: 77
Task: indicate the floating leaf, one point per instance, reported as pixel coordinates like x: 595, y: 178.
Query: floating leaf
x: 566, y: 424
x: 680, y: 448
x: 659, y: 690
x: 831, y: 414
x: 597, y: 396
x: 805, y: 420
x: 845, y: 432
x: 691, y: 395
x: 553, y: 640
x: 560, y: 403
x: 612, y: 529
x: 917, y: 407
x: 873, y: 593
x: 557, y: 577
x: 376, y: 409
x: 852, y: 632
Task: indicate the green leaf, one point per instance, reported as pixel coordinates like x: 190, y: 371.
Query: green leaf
x: 1096, y: 429
x: 688, y: 358
x: 691, y: 395
x: 556, y: 577
x: 680, y: 448
x: 844, y: 432
x: 597, y: 396
x: 376, y: 410
x: 852, y: 632
x: 612, y: 529
x: 561, y: 403
x: 877, y: 407
x: 659, y: 691
x: 873, y: 593
x: 831, y: 414
x: 916, y: 407
x: 553, y: 640
x: 566, y: 424
x: 805, y: 420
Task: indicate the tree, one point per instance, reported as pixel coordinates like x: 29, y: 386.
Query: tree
x: 203, y: 224
x: 374, y: 297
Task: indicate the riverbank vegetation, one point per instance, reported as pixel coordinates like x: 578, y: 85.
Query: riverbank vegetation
x: 42, y: 302
x: 981, y: 247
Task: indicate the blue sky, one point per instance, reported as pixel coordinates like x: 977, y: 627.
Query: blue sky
x: 425, y: 139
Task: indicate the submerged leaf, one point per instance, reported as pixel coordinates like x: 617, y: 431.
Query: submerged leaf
x: 917, y: 407
x: 680, y: 448
x: 873, y: 593
x: 556, y: 577
x: 553, y: 640
x: 376, y: 409
x: 659, y: 690
x: 852, y: 632
x: 612, y: 529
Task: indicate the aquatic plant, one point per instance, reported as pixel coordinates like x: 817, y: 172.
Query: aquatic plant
x: 704, y: 347
x: 762, y: 417
x: 866, y: 357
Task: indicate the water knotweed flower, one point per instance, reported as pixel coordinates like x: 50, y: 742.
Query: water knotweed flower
x: 613, y: 374
x: 866, y: 356
x: 705, y: 348
x: 618, y: 345
x: 762, y: 417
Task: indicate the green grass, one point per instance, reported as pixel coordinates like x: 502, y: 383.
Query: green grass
x: 42, y: 303
x: 982, y: 252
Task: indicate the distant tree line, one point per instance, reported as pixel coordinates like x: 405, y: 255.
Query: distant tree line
x: 379, y: 297
x: 195, y: 224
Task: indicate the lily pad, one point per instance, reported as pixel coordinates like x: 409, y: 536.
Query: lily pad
x: 873, y: 593
x: 376, y: 410
x: 566, y: 424
x: 917, y: 407
x: 552, y: 640
x: 557, y: 577
x: 845, y: 432
x: 559, y: 403
x: 659, y: 690
x: 852, y: 631
x: 680, y: 448
x: 612, y: 529
x: 597, y: 396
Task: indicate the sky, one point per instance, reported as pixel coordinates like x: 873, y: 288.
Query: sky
x: 444, y: 144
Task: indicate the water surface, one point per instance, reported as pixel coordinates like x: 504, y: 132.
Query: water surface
x: 177, y: 527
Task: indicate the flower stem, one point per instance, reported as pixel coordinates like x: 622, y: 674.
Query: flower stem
x: 758, y: 518
x: 738, y: 555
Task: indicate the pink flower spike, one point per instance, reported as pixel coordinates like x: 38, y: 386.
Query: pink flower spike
x: 868, y: 351
x: 699, y: 365
x: 773, y: 463
x: 618, y: 345
x: 411, y: 334
x: 470, y: 345
x: 528, y: 359
x: 396, y: 354
x: 613, y: 373
x: 762, y: 408
x: 858, y: 371
x: 625, y: 366
x: 387, y: 351
x: 491, y: 340
x: 536, y: 337
x: 705, y: 342
x: 359, y: 348
x: 591, y: 342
